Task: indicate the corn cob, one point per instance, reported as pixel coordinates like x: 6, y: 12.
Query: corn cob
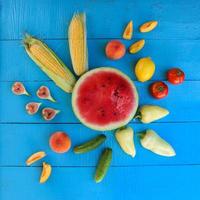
x: 49, y: 63
x: 78, y: 44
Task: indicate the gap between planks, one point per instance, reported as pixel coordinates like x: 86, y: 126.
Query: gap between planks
x: 48, y: 80
x: 112, y: 166
x: 105, y: 38
x: 78, y: 123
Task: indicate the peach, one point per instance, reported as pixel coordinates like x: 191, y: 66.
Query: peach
x: 115, y: 50
x: 60, y: 142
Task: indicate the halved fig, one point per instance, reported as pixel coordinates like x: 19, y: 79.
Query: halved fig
x: 44, y: 93
x: 35, y: 157
x: 32, y: 107
x: 46, y: 172
x: 49, y: 113
x: 19, y: 89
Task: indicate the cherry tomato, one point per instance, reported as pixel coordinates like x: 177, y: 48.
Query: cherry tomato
x: 175, y: 76
x: 158, y: 90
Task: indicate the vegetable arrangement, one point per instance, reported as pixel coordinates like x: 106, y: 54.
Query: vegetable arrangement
x: 145, y: 68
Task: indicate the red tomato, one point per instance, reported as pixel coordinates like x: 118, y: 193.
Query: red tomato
x: 159, y: 90
x: 175, y: 76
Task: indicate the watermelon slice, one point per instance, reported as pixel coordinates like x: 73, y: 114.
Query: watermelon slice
x: 104, y: 99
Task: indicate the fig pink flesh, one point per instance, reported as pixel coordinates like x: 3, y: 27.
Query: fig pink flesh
x: 49, y: 113
x: 105, y: 97
x: 18, y: 88
x: 43, y: 92
x: 32, y: 107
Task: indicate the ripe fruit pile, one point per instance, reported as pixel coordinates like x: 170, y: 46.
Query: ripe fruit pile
x: 145, y: 67
x: 59, y: 143
x: 32, y: 107
x: 115, y: 95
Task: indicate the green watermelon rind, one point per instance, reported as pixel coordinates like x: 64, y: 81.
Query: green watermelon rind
x: 111, y: 126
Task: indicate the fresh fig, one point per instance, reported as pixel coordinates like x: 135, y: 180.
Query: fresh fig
x: 44, y: 93
x: 32, y: 107
x: 19, y: 89
x: 49, y: 113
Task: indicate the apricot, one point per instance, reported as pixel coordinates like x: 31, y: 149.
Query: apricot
x: 60, y: 142
x: 115, y: 50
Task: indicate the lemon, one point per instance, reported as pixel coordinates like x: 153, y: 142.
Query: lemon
x: 144, y: 69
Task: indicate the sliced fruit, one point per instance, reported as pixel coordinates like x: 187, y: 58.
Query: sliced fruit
x: 124, y: 137
x: 137, y: 46
x: 104, y: 99
x: 32, y: 107
x: 90, y: 145
x: 19, y: 89
x: 46, y: 172
x: 60, y: 142
x: 78, y: 43
x: 148, y: 26
x: 128, y: 31
x: 44, y: 93
x: 35, y: 157
x: 49, y: 113
x: 115, y: 50
x: 103, y: 165
x: 144, y: 69
x: 49, y: 63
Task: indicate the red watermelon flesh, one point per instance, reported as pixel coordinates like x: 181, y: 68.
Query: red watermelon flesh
x: 105, y: 99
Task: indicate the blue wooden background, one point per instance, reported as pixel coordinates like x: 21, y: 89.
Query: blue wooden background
x: 175, y: 42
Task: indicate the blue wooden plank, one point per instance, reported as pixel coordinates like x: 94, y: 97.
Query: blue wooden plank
x: 153, y: 183
x: 16, y: 65
x: 182, y: 107
x: 18, y: 142
x: 148, y: 176
x: 106, y: 19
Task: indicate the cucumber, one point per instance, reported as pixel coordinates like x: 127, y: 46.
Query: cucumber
x: 103, y: 164
x: 90, y: 145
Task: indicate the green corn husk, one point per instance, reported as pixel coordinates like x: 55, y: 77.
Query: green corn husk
x: 49, y: 63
